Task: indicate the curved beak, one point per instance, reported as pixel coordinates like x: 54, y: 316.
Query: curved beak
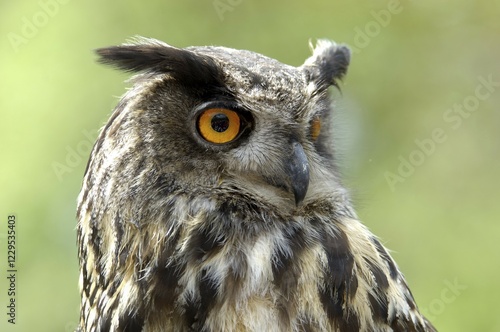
x: 297, y: 170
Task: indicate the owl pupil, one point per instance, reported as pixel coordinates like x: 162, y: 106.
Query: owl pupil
x: 220, y: 122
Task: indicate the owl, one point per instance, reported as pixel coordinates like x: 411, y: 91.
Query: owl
x: 212, y: 202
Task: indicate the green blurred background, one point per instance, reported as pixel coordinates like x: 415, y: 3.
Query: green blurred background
x: 416, y: 63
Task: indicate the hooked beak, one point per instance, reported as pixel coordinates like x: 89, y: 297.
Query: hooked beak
x: 297, y: 170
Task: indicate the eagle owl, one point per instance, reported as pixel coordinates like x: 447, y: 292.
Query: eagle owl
x: 211, y: 202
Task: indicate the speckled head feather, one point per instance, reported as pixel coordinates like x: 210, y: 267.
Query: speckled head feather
x: 211, y: 202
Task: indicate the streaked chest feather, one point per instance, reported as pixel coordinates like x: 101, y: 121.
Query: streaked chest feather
x: 303, y: 275
x: 213, y: 268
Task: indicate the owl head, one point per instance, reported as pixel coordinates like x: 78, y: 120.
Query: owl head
x: 218, y: 117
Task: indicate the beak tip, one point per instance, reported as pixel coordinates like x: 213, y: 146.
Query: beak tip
x: 299, y: 174
x: 299, y: 193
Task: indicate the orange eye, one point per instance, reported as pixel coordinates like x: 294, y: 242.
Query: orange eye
x: 315, y: 128
x: 219, y: 125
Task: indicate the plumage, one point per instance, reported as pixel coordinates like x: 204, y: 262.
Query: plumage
x: 178, y: 233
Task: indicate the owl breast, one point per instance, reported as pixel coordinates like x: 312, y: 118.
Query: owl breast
x: 238, y: 267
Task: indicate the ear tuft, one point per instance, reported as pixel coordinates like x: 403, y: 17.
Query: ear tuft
x: 328, y: 64
x: 153, y: 56
x: 140, y: 54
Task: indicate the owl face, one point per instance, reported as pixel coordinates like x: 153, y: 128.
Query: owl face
x: 227, y: 118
